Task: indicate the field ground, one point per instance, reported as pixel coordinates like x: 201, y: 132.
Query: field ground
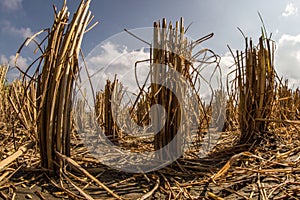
x: 267, y: 170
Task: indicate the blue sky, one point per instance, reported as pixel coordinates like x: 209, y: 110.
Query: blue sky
x: 22, y: 18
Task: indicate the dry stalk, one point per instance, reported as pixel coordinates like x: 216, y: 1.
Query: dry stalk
x: 55, y: 83
x: 256, y: 85
x: 3, y: 71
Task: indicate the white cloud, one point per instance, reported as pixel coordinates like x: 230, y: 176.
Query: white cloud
x: 3, y: 59
x: 227, y: 66
x: 108, y: 60
x: 21, y: 61
x: 11, y: 5
x: 115, y: 60
x: 290, y: 10
x: 22, y: 32
x: 13, y: 73
x: 287, y: 58
x: 226, y: 63
x: 111, y: 54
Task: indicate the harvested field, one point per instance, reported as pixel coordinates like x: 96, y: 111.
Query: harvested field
x: 45, y: 128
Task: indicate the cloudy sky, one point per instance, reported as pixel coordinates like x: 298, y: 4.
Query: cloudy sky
x: 22, y: 18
